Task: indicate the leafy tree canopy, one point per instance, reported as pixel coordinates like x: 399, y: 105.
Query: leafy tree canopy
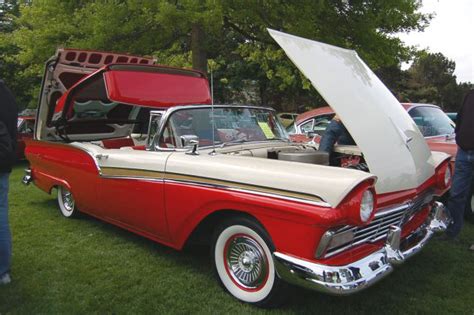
x: 228, y: 35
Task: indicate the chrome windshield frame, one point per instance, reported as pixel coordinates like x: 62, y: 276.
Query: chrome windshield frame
x: 167, y: 114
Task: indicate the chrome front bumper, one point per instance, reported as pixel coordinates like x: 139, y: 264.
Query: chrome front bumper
x: 363, y: 273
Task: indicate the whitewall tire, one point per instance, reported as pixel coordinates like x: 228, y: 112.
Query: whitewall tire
x: 242, y: 255
x: 66, y: 202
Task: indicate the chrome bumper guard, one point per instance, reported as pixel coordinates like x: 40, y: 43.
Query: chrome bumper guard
x: 27, y: 178
x: 342, y: 280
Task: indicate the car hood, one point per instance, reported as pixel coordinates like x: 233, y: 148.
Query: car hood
x: 392, y: 145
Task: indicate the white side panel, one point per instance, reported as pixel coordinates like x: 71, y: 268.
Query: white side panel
x: 331, y: 184
x: 392, y: 145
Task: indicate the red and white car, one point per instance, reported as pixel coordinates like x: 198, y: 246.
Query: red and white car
x: 227, y: 174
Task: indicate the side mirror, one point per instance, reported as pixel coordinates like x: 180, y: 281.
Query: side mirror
x: 190, y: 142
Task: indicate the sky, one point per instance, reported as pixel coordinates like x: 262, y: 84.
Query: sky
x: 451, y: 32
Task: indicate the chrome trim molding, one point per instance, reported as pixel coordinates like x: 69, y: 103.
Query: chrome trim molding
x: 253, y: 192
x: 155, y: 146
x: 156, y: 176
x: 379, y: 227
x: 323, y: 244
x: 351, y: 278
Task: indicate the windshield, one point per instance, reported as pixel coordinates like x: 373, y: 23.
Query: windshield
x: 432, y: 121
x: 291, y: 129
x: 232, y: 125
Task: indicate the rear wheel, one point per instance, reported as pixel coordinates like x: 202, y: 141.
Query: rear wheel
x: 66, y: 202
x: 242, y: 255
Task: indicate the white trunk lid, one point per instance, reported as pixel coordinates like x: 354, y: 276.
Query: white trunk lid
x: 393, y: 147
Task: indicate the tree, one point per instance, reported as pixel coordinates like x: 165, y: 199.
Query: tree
x: 10, y: 69
x: 231, y: 35
x: 431, y: 79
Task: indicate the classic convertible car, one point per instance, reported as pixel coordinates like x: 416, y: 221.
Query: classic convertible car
x: 142, y: 147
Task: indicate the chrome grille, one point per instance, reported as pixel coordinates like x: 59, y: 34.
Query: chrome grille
x: 384, y: 218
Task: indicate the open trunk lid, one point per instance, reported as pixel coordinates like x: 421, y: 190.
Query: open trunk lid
x: 66, y: 68
x: 392, y: 145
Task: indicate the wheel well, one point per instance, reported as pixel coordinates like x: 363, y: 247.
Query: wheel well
x: 52, y: 188
x: 202, y: 234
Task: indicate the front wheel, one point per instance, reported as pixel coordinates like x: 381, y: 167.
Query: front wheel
x: 242, y: 252
x: 66, y: 203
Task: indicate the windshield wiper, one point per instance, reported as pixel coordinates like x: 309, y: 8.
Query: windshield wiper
x: 240, y: 141
x: 236, y: 141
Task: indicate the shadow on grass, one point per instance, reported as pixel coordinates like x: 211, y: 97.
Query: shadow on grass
x: 196, y: 252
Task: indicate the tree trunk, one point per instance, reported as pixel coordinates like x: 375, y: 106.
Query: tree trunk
x: 198, y: 50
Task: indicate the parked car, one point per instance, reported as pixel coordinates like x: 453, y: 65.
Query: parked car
x: 226, y: 175
x: 287, y: 118
x: 26, y: 125
x: 452, y: 116
x: 433, y: 123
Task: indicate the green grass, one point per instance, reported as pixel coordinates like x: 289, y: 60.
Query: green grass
x: 86, y: 266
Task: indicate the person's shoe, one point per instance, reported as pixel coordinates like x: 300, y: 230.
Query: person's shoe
x: 5, y: 279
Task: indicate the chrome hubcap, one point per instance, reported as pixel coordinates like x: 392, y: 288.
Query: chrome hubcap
x: 68, y: 200
x: 246, y: 262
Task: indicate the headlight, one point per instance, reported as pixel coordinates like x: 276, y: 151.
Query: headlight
x: 447, y: 176
x: 366, y: 206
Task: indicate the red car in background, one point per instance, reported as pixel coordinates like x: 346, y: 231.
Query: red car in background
x: 25, y: 126
x: 434, y: 124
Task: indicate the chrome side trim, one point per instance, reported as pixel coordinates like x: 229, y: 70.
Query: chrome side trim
x: 156, y: 176
x: 253, y: 192
x: 361, y: 274
x: 324, y: 243
x: 91, y: 154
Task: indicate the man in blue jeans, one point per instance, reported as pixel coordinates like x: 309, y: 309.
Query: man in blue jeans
x: 8, y: 127
x: 464, y: 166
x: 335, y: 132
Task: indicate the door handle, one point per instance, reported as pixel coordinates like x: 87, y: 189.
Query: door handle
x: 102, y: 156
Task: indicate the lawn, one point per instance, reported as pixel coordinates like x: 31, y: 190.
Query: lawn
x: 86, y: 266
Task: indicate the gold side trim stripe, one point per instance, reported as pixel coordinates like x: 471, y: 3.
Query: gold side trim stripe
x: 146, y: 174
x: 124, y: 172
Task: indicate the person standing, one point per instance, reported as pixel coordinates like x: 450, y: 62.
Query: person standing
x: 8, y: 128
x: 335, y: 132
x: 463, y: 168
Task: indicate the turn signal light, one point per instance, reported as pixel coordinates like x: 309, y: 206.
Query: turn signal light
x: 444, y: 175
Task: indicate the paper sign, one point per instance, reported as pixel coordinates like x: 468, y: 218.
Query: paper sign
x: 266, y: 130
